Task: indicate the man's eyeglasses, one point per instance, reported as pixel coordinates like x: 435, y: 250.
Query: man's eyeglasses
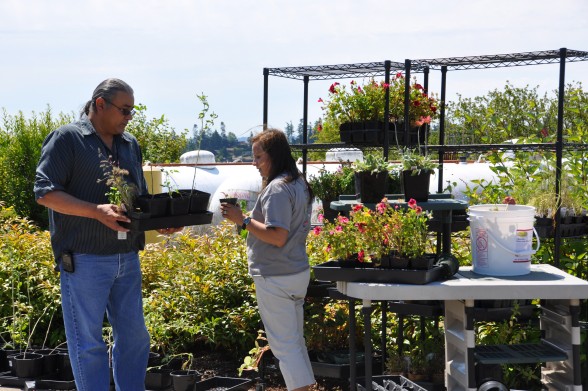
x: 124, y: 112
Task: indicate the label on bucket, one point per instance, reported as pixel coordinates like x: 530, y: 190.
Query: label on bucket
x: 523, y: 244
x: 481, y: 247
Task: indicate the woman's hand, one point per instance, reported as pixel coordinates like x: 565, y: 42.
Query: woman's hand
x: 232, y: 212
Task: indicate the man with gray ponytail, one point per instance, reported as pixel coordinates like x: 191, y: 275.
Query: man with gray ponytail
x: 99, y: 271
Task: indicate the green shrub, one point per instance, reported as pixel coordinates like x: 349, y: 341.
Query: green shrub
x: 197, y: 289
x: 30, y: 301
x: 20, y: 148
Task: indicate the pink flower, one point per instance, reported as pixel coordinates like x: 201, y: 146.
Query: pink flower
x: 342, y: 219
x: 339, y: 228
x: 321, y: 217
x: 320, y: 100
x: 317, y: 230
x: 412, y: 203
x: 361, y: 227
x: 361, y: 256
x: 419, y: 210
x: 381, y: 207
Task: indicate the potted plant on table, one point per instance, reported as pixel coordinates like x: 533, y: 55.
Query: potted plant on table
x: 329, y: 185
x: 416, y: 174
x: 371, y: 178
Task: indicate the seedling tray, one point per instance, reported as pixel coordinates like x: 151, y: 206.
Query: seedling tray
x: 332, y: 271
x: 389, y: 383
x: 49, y: 384
x: 144, y: 221
x: 227, y: 383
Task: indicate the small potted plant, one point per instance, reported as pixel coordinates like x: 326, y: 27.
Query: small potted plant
x: 371, y: 178
x: 329, y: 185
x: 416, y: 174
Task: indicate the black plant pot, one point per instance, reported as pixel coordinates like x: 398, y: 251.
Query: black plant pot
x: 371, y: 187
x: 50, y: 360
x: 154, y: 359
x: 394, y: 262
x: 64, y: 370
x: 328, y: 213
x: 179, y: 204
x: 229, y: 200
x: 416, y: 186
x: 156, y: 204
x: 423, y: 263
x: 198, y: 200
x: 27, y: 365
x: 158, y: 379
x: 3, y: 361
x: 184, y: 380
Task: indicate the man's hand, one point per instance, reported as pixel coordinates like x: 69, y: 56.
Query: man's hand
x: 110, y: 215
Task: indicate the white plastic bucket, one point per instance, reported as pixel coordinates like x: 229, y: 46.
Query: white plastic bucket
x: 502, y: 239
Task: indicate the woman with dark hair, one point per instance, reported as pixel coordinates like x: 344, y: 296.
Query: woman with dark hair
x: 276, y: 250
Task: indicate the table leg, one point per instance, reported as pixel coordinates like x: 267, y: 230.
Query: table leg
x: 367, y: 341
x: 352, y: 347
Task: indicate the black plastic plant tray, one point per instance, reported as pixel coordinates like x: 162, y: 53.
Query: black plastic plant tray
x: 518, y: 354
x: 138, y: 223
x: 6, y: 379
x: 50, y: 384
x: 331, y: 271
x: 227, y: 383
x: 342, y: 371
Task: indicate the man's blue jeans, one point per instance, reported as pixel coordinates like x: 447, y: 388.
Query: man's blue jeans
x: 108, y: 284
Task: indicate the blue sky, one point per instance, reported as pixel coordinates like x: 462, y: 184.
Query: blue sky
x: 56, y: 52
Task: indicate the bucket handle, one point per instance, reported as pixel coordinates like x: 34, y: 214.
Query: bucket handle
x: 533, y: 251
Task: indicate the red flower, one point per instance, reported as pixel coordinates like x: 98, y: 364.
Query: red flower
x: 419, y: 210
x: 320, y: 100
x: 399, y: 75
x: 361, y: 256
x: 509, y: 200
x: 419, y: 87
x: 361, y: 227
x: 544, y: 132
x: 317, y: 230
x: 319, y: 128
x: 357, y: 207
x: 332, y: 88
x: 416, y: 103
x: 412, y: 203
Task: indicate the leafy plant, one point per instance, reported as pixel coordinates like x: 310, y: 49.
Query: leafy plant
x: 416, y: 162
x: 328, y: 185
x: 372, y: 163
x: 120, y: 192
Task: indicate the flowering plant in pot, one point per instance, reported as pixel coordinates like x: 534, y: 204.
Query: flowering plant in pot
x: 362, y: 107
x: 404, y: 235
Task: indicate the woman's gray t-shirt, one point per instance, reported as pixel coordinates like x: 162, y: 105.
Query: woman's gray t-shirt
x: 285, y: 205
